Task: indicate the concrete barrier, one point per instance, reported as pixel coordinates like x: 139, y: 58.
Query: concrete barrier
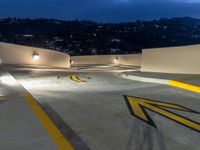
x: 133, y: 60
x: 23, y: 55
x: 184, y: 59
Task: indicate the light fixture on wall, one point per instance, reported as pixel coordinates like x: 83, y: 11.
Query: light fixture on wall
x: 36, y: 56
x: 116, y: 60
x: 71, y: 61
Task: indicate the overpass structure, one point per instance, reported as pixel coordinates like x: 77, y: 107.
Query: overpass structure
x: 51, y: 101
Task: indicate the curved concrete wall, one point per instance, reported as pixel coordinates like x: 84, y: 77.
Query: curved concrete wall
x: 133, y: 59
x: 23, y: 55
x: 184, y: 59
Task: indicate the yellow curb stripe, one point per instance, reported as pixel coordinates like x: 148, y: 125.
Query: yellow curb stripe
x: 185, y: 86
x: 58, y: 138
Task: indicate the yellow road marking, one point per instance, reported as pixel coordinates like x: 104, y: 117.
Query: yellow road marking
x: 185, y: 86
x: 76, y: 78
x: 52, y: 130
x: 137, y: 108
x: 179, y: 83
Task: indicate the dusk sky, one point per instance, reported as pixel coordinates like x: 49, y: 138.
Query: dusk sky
x: 100, y: 10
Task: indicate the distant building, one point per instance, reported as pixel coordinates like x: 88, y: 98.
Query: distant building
x: 28, y: 35
x: 58, y: 39
x: 116, y: 40
x: 114, y: 50
x: 93, y: 51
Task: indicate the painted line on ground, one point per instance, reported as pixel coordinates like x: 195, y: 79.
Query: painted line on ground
x: 184, y: 86
x: 58, y: 138
x: 76, y: 78
x: 137, y: 107
x: 145, y: 79
x: 64, y: 128
x: 178, y: 83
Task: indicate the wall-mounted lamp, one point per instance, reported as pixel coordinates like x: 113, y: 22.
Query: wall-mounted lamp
x: 36, y: 57
x: 116, y: 60
x: 71, y: 61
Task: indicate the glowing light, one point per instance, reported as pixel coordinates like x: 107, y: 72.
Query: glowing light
x: 116, y: 60
x: 36, y: 57
x: 71, y: 61
x: 8, y: 80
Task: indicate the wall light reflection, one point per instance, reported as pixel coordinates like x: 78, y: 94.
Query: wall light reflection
x: 8, y: 80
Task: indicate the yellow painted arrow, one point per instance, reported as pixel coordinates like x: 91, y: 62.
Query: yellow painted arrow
x: 76, y: 78
x: 137, y: 108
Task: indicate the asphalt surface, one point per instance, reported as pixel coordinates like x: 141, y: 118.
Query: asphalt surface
x: 94, y: 114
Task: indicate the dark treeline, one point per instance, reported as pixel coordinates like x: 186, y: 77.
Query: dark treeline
x: 86, y: 37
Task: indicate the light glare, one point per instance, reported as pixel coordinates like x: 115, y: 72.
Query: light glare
x: 36, y: 57
x: 116, y: 60
x: 8, y: 80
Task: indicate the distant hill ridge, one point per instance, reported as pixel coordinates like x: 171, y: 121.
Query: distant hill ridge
x: 87, y: 37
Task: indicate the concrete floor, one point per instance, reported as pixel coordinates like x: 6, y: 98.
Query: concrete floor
x: 94, y: 115
x: 19, y: 127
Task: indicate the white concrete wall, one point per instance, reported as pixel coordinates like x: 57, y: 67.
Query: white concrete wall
x: 133, y: 59
x: 130, y: 59
x: 23, y: 55
x: 185, y: 59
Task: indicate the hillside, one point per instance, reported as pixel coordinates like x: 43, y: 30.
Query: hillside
x: 85, y: 37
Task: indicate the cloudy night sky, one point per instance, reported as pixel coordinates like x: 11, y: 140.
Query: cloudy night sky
x: 100, y: 10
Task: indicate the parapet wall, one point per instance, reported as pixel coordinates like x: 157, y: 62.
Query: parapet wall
x: 184, y: 59
x: 23, y: 55
x: 133, y: 60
